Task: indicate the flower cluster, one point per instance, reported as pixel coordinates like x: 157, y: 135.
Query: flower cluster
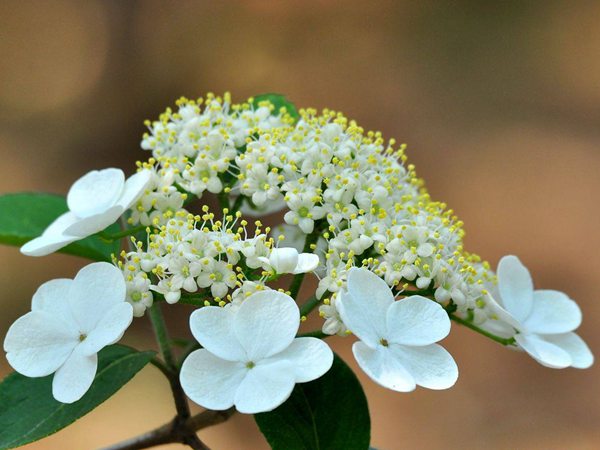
x: 391, y: 266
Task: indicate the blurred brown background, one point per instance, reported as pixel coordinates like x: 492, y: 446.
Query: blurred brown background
x: 498, y: 101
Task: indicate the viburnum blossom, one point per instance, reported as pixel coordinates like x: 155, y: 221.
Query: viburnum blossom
x: 544, y: 319
x: 390, y: 263
x: 397, y: 338
x: 250, y: 357
x: 95, y: 201
x: 69, y: 323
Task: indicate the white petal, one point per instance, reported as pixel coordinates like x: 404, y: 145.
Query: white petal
x: 416, y: 321
x: 364, y: 284
x: 577, y: 349
x: 93, y: 224
x: 515, y: 286
x: 264, y: 388
x: 210, y: 381
x: 283, y: 260
x: 544, y: 352
x: 431, y: 366
x: 96, y: 288
x: 266, y: 323
x: 383, y: 368
x: 109, y: 329
x: 73, y: 379
x: 307, y: 262
x: 498, y: 313
x: 212, y: 326
x: 95, y: 192
x: 38, y: 343
x: 52, y: 297
x: 364, y: 306
x: 553, y: 312
x: 310, y: 358
x: 53, y: 237
x: 134, y: 188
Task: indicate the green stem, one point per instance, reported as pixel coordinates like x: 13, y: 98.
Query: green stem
x: 223, y: 200
x: 422, y: 292
x: 237, y: 204
x: 121, y: 234
x: 309, y: 305
x: 192, y: 300
x: 162, y: 338
x: 472, y: 326
x: 180, y: 342
x: 160, y: 365
x: 299, y: 277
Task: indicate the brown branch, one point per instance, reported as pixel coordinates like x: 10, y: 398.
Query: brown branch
x: 176, y: 432
x: 209, y: 418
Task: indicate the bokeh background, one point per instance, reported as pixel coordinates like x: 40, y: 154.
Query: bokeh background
x: 498, y: 101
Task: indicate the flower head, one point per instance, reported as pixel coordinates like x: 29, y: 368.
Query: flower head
x: 69, y: 323
x: 397, y: 338
x: 95, y: 201
x: 544, y: 319
x: 250, y: 357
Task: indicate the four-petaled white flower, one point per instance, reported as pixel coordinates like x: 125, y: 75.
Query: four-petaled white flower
x: 69, y: 323
x: 544, y: 319
x: 250, y: 357
x: 95, y: 201
x: 288, y: 260
x: 397, y: 338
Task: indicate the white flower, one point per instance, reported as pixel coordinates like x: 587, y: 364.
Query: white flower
x: 219, y: 276
x: 288, y: 260
x: 69, y: 323
x: 397, y: 339
x: 544, y: 319
x: 333, y: 322
x: 250, y: 358
x: 95, y: 201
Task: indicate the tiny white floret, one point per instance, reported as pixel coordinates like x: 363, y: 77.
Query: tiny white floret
x: 95, y: 201
x: 397, y: 338
x: 288, y: 260
x: 250, y: 358
x: 69, y: 323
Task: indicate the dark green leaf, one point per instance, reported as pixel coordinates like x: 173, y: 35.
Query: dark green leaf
x: 24, y: 216
x: 28, y: 412
x: 278, y: 101
x: 330, y: 413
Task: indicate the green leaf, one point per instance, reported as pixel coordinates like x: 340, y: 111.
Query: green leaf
x: 278, y: 101
x: 326, y: 414
x: 24, y: 216
x: 28, y: 412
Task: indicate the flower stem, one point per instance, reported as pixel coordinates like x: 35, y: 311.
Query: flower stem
x: 121, y: 234
x: 309, y: 305
x: 184, y: 435
x: 162, y: 337
x: 237, y: 204
x: 472, y: 326
x: 223, y: 200
x: 162, y: 367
